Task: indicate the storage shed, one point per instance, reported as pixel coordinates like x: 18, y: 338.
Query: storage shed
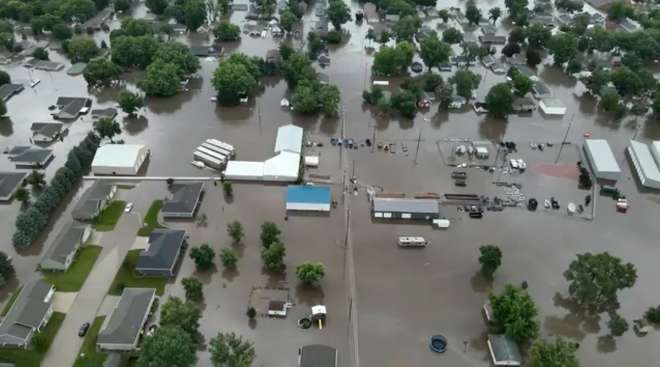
x: 645, y: 166
x: 403, y: 208
x: 602, y: 160
x: 504, y: 351
x: 119, y: 159
x: 308, y: 198
x: 552, y: 107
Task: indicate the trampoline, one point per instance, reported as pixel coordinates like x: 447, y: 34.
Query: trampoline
x: 438, y: 344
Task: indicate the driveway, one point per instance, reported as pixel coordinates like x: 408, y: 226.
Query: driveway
x: 115, y: 245
x: 62, y: 301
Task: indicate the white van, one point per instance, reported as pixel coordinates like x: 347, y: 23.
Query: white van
x: 409, y: 241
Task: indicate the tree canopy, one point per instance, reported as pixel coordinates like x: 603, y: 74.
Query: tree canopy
x: 499, y: 100
x: 231, y: 350
x: 168, y: 346
x: 393, y: 60
x: 226, y: 31
x: 107, y: 128
x: 515, y: 313
x: 202, y: 256
x: 434, y: 52
x: 563, y: 47
x: 465, y: 81
x: 161, y: 79
x: 179, y: 314
x: 338, y: 13
x: 101, y: 73
x: 130, y: 102
x: 560, y: 353
x: 310, y: 272
x: 236, y: 76
x: 490, y: 259
x: 81, y: 48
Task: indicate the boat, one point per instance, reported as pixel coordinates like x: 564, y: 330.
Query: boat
x: 284, y: 103
x: 571, y: 208
x: 198, y: 164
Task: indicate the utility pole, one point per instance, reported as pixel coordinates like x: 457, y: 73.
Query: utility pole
x: 419, y: 139
x: 259, y: 115
x: 561, y: 147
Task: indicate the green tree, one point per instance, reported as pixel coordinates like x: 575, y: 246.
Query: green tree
x: 465, y: 81
x: 193, y: 288
x: 178, y: 54
x: 521, y: 83
x: 36, y: 179
x: 559, y: 353
x: 452, y: 36
x: 617, y: 324
x: 107, y: 128
x: 269, y: 234
x: 235, y: 231
x: 619, y: 10
x: 4, y: 77
x: 537, y: 35
x: 161, y: 79
x: 225, y: 7
x: 444, y: 15
x: 655, y: 106
x: 226, y: 31
x: 157, y: 6
x: 267, y: 8
x: 231, y: 350
x: 626, y: 81
x: 7, y: 271
x: 202, y: 256
x: 195, y: 14
x: 517, y: 9
x: 101, y: 73
x: 234, y: 77
x: 3, y: 108
x: 130, y: 102
x: 495, y: 14
x: 434, y: 52
x: 595, y: 83
x: 515, y: 313
x: 228, y: 258
x: 288, y: 20
x: 81, y: 49
x: 168, y: 346
x: 595, y: 279
x: 573, y: 67
x: 499, y: 100
x: 121, y: 5
x: 131, y: 51
x: 533, y: 57
x: 490, y: 259
x: 405, y: 102
x: 177, y: 313
x: 310, y: 272
x: 392, y: 61
x: 328, y: 99
x: 472, y: 12
x: 305, y: 99
x: 80, y: 10
x: 517, y: 35
x: 22, y: 195
x: 652, y: 315
x: 40, y: 53
x: 273, y: 257
x: 338, y: 13
x: 563, y: 47
x: 406, y: 28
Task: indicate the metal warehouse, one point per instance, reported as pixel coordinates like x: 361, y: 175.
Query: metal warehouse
x: 602, y: 160
x: 402, y: 208
x: 645, y: 166
x: 308, y: 198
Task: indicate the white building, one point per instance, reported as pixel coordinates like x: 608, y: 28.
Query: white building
x: 602, y: 160
x: 552, y: 107
x: 283, y: 167
x: 119, y: 159
x: 289, y: 139
x: 644, y: 164
x: 244, y: 171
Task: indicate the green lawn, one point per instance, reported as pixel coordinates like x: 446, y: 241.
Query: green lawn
x: 108, y: 218
x: 127, y: 277
x: 151, y: 219
x: 88, y: 355
x: 73, y: 279
x: 32, y: 357
x: 11, y: 301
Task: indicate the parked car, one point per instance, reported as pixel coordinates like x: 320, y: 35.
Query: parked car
x: 128, y: 207
x: 83, y: 329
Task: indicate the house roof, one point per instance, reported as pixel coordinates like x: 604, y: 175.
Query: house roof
x: 403, y: 205
x: 27, y: 312
x: 602, y: 157
x: 289, y: 138
x: 66, y: 242
x: 284, y: 165
x: 49, y: 129
x: 105, y: 112
x: 9, y: 182
x: 644, y: 164
x: 164, y: 246
x: 541, y: 89
x: 504, y: 351
x: 492, y: 39
x: 9, y: 89
x: 308, y: 194
x: 318, y: 355
x: 30, y: 155
x: 185, y: 197
x: 70, y: 106
x: 117, y: 155
x: 89, y: 205
x: 124, y: 324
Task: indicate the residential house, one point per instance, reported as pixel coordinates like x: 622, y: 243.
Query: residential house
x: 94, y: 200
x: 541, y: 90
x: 72, y: 107
x: 9, y: 183
x: 104, y: 112
x: 28, y: 157
x: 392, y: 18
x: 62, y: 251
x: 121, y: 331
x: 504, y: 351
x: 488, y: 60
x: 184, y: 201
x: 160, y: 257
x: 371, y: 13
x: 630, y: 25
x: 317, y: 355
x: 488, y: 29
x: 28, y: 315
x: 523, y: 104
x: 45, y: 132
x: 491, y: 39
x: 499, y: 68
x: 205, y: 51
x: 457, y: 102
x: 9, y: 90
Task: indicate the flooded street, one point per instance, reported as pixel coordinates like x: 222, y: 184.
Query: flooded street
x: 403, y: 296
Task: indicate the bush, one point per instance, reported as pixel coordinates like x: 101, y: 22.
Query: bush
x: 251, y: 313
x: 310, y: 273
x: 228, y: 188
x: 193, y: 287
x: 228, y: 258
x: 40, y: 53
x: 273, y: 257
x: 269, y: 234
x: 333, y: 37
x: 202, y: 256
x: 653, y: 315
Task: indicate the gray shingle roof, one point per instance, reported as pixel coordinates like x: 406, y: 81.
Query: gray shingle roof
x: 397, y: 205
x: 105, y: 112
x: 49, y: 129
x: 184, y: 198
x: 164, y: 246
x: 90, y: 204
x: 66, y: 242
x: 29, y: 155
x: 125, y: 322
x: 70, y: 106
x: 8, y: 90
x: 27, y: 312
x: 9, y: 182
x: 318, y: 355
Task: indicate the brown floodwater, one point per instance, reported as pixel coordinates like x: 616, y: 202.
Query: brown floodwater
x: 403, y: 297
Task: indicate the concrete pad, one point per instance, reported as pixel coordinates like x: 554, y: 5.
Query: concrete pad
x: 95, y: 238
x: 108, y: 304
x: 62, y: 301
x: 140, y: 243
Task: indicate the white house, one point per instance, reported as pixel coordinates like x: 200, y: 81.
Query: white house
x: 119, y: 159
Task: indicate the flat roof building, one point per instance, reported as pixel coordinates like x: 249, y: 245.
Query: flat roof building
x: 93, y: 201
x: 283, y: 167
x: 9, y: 183
x: 122, y: 329
x: 308, y: 198
x: 404, y: 208
x: 184, y: 201
x: 244, y: 171
x: 644, y: 164
x: 504, y: 351
x: 160, y: 257
x: 602, y: 160
x: 119, y: 159
x: 289, y: 138
x: 29, y: 313
x: 317, y: 355
x: 552, y: 107
x: 62, y: 251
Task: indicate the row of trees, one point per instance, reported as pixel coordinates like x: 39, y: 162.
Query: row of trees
x: 51, y: 11
x: 32, y: 222
x: 192, y: 13
x: 7, y: 272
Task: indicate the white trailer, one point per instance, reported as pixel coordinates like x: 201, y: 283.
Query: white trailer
x: 208, y: 160
x: 217, y: 149
x: 213, y: 154
x: 222, y: 144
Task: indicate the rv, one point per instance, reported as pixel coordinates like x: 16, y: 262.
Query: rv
x: 223, y: 145
x: 208, y: 160
x: 407, y: 241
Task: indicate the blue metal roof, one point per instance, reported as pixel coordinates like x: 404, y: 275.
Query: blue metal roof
x: 308, y: 194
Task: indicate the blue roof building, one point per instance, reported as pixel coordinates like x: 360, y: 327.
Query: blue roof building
x: 308, y: 198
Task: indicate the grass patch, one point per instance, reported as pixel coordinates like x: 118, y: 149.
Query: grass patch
x: 88, y: 355
x: 73, y: 279
x: 127, y: 277
x: 32, y: 357
x: 109, y: 216
x: 11, y: 301
x: 151, y: 219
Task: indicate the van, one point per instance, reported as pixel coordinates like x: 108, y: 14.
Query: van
x: 409, y: 241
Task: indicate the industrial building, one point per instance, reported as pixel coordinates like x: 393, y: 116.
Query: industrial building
x: 404, y: 208
x: 644, y: 164
x: 119, y: 159
x: 602, y: 160
x: 552, y: 107
x: 308, y: 198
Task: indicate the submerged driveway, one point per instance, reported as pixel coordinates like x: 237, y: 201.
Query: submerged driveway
x: 65, y: 347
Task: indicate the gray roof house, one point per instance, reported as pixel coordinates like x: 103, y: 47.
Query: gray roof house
x: 541, y: 90
x: 121, y: 331
x: 9, y: 183
x: 503, y: 351
x: 184, y: 201
x: 45, y: 132
x: 62, y: 251
x: 93, y: 201
x: 405, y: 208
x: 28, y: 157
x: 491, y: 39
x: 160, y: 257
x: 523, y: 104
x: 29, y: 313
x: 9, y: 90
x: 71, y: 107
x: 104, y: 112
x: 317, y: 355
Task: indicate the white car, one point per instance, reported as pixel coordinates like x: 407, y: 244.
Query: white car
x: 128, y: 207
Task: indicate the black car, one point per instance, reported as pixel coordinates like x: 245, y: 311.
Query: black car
x: 83, y: 329
x: 532, y: 204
